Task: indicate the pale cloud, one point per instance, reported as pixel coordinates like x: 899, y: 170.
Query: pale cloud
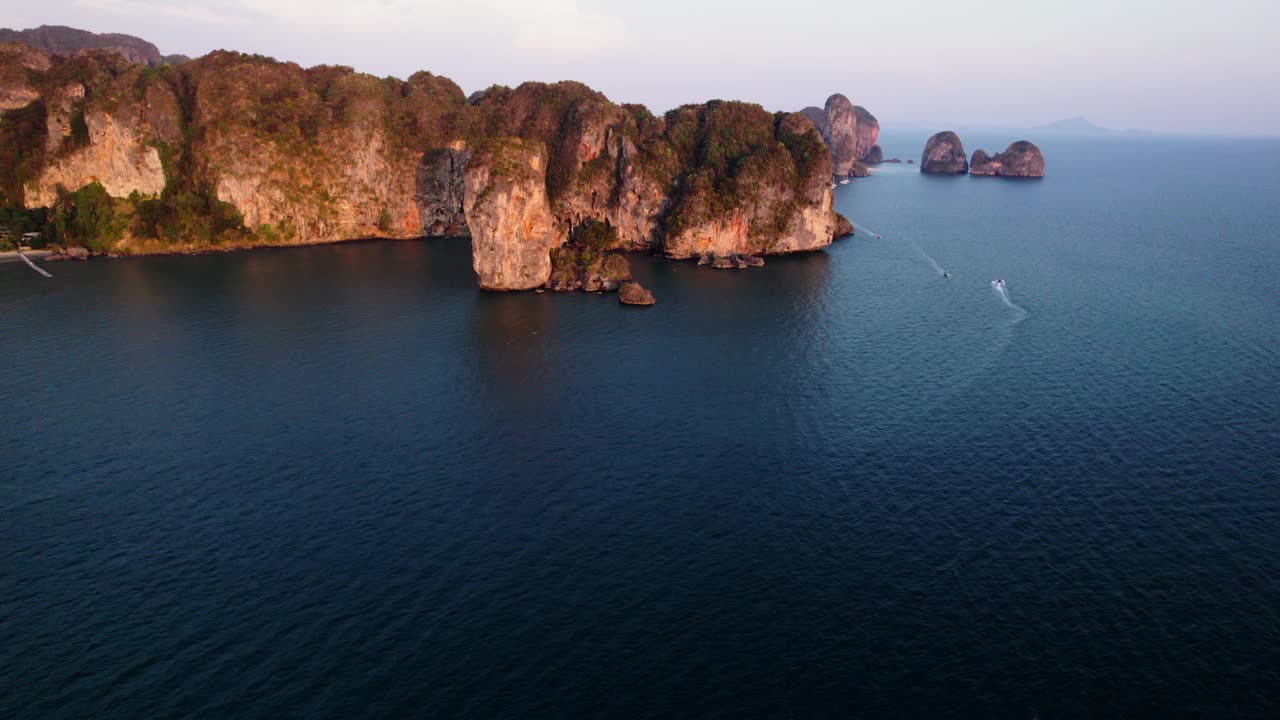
x: 561, y: 28
x: 543, y: 28
x: 184, y: 11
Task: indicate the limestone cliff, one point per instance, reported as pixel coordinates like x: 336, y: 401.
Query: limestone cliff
x: 944, y: 155
x: 439, y: 192
x: 844, y: 228
x: 318, y: 154
x: 842, y: 135
x: 505, y: 200
x: 768, y: 193
x: 868, y: 133
x: 1021, y: 159
x: 233, y: 150
x: 93, y: 118
x: 17, y: 65
x: 850, y: 132
x: 722, y: 178
x: 116, y: 155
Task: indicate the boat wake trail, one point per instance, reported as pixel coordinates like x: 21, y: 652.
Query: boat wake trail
x: 999, y: 287
x: 32, y: 265
x: 866, y: 230
x: 928, y: 258
x: 914, y: 245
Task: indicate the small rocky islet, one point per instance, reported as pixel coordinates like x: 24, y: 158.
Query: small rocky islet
x: 944, y: 155
x: 1020, y: 159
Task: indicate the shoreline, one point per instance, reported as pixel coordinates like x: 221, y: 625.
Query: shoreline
x: 53, y: 256
x: 13, y: 256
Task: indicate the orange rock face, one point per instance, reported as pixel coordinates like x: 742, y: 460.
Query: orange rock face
x: 512, y: 230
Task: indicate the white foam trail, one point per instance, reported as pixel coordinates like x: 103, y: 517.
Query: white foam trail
x: 860, y: 228
x: 32, y: 265
x: 1003, y: 292
x: 928, y: 258
x: 919, y: 250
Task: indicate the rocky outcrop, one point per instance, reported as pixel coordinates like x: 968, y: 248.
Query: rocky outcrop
x: 316, y: 155
x: 944, y: 155
x: 844, y: 228
x: 842, y: 135
x: 59, y: 106
x: 111, y: 135
x: 16, y: 63
x: 68, y: 253
x: 874, y: 156
x: 850, y: 132
x: 868, y: 133
x: 783, y: 198
x: 575, y: 267
x: 61, y: 40
x: 512, y: 229
x: 598, y: 179
x: 633, y: 293
x: 731, y: 262
x: 641, y: 195
x: 116, y: 155
x: 1021, y: 159
x: 600, y: 156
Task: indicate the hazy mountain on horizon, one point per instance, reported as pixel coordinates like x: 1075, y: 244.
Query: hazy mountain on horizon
x: 1079, y: 125
x: 64, y: 40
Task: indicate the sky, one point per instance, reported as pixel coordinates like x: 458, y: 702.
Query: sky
x: 1178, y: 66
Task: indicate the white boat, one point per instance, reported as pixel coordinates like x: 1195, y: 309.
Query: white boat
x: 998, y: 283
x: 844, y: 181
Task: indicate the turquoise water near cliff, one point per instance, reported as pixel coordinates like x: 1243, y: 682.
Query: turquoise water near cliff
x: 340, y: 482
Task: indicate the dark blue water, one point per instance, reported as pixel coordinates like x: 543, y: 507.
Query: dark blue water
x: 340, y: 482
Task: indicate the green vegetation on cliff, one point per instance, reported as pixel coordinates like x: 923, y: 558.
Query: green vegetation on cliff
x: 88, y: 217
x: 594, y: 235
x: 729, y: 155
x: 325, y: 152
x: 22, y: 140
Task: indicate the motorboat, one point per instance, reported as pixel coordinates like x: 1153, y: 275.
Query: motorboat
x: 998, y: 283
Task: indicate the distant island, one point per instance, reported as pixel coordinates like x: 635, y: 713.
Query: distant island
x: 944, y: 155
x: 1079, y: 125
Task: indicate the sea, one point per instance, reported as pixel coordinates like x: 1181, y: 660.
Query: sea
x: 340, y: 481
